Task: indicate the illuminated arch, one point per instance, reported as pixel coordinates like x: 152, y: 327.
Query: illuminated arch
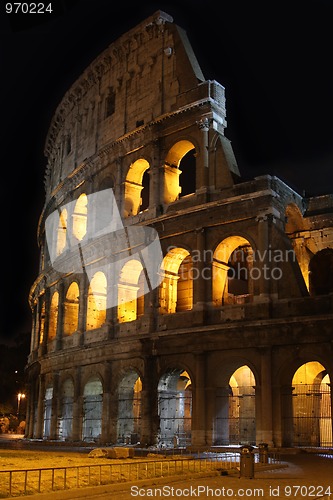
x: 96, y: 301
x: 175, y: 408
x: 71, y: 309
x: 53, y: 316
x: 176, y: 289
x: 80, y: 217
x: 92, y: 409
x: 62, y: 232
x: 131, y: 291
x: 311, y: 406
x: 173, y: 188
x: 294, y: 224
x: 232, y: 261
x: 66, y: 400
x: 235, y: 409
x: 129, y: 408
x: 137, y: 180
x: 42, y: 322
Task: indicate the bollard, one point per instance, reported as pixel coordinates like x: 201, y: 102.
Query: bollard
x: 246, y: 468
x: 263, y: 453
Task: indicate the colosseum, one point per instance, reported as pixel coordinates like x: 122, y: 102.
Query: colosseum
x: 176, y: 304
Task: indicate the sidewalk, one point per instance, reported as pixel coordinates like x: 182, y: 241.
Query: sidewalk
x: 301, y: 475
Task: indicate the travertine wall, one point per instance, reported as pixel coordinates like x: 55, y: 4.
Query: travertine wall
x: 141, y: 108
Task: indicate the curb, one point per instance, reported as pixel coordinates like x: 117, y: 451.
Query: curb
x: 72, y: 494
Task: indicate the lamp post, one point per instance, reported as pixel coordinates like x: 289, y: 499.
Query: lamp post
x: 20, y: 396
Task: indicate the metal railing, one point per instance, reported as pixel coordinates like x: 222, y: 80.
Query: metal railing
x: 20, y: 482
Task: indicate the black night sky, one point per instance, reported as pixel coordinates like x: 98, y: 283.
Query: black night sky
x: 273, y: 57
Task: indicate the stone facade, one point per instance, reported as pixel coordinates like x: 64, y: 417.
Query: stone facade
x: 235, y: 344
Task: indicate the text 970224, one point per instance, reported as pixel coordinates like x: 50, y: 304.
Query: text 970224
x: 28, y: 8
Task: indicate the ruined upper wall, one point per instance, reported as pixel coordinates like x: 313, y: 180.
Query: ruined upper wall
x: 144, y: 74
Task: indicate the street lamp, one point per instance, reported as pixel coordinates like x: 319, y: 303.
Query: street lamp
x: 20, y: 396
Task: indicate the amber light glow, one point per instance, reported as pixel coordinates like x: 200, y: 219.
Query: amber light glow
x: 20, y: 396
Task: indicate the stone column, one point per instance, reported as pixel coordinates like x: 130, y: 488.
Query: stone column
x: 199, y: 402
x: 105, y: 436
x: 77, y: 406
x: 31, y: 395
x: 155, y: 198
x: 287, y: 415
x: 266, y: 433
x: 60, y: 321
x: 331, y: 398
x: 201, y: 273
x: 33, y: 331
x: 277, y: 404
x: 82, y: 320
x: 113, y: 412
x: 150, y: 421
x: 262, y: 259
x: 202, y: 164
x: 118, y: 184
x: 40, y: 407
x: 151, y: 308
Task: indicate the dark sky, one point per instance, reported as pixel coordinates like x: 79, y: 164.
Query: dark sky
x: 273, y: 57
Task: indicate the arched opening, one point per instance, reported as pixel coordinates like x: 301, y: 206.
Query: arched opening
x: 131, y: 291
x: 145, y: 191
x: 129, y: 408
x: 311, y: 406
x: 96, y: 301
x: 53, y: 316
x: 295, y: 223
x: 179, y: 171
x: 187, y: 167
x: 232, y: 264
x: 185, y: 285
x: 235, y: 409
x: 92, y: 409
x: 47, y: 411
x: 71, y: 309
x: 321, y: 273
x: 176, y: 289
x: 61, y: 232
x: 65, y: 420
x: 136, y: 197
x: 175, y: 409
x: 80, y: 217
x: 42, y: 321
